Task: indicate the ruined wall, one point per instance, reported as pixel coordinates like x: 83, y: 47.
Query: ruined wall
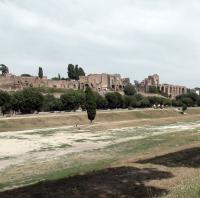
x: 7, y: 82
x: 103, y: 82
x: 71, y: 84
x: 11, y: 82
x: 173, y: 90
x: 154, y: 81
x: 98, y: 82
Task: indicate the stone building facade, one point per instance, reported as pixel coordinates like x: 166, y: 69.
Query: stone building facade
x: 172, y: 90
x: 11, y: 82
x: 98, y: 82
x: 154, y: 81
x: 103, y: 82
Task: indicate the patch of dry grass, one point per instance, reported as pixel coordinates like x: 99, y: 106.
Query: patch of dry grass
x: 110, y: 119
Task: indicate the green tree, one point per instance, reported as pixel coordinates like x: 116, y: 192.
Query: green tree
x: 184, y: 108
x: 28, y: 101
x: 129, y: 90
x: 71, y: 71
x: 90, y: 104
x: 5, y: 102
x: 166, y: 102
x: 25, y: 75
x: 130, y: 101
x: 51, y: 103
x: 139, y: 97
x: 188, y: 102
x: 112, y: 100
x: 101, y: 102
x: 155, y: 100
x: 81, y: 72
x: 144, y: 103
x: 17, y: 101
x: 40, y: 72
x: 190, y: 99
x: 120, y: 101
x: 70, y: 100
x: 81, y: 99
x: 154, y: 89
x: 4, y: 69
x: 177, y: 103
x: 76, y: 71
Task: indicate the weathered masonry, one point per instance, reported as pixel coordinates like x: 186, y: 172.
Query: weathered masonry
x: 154, y: 81
x: 98, y: 82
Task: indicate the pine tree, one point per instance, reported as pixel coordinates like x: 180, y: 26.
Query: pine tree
x: 76, y: 71
x: 90, y: 104
x: 71, y: 71
x: 40, y: 73
x: 81, y: 72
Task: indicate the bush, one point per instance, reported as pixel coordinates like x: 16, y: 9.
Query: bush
x: 145, y: 103
x: 52, y: 104
x: 184, y: 108
x: 112, y: 100
x: 27, y: 101
x: 130, y: 101
x: 129, y: 90
x: 188, y: 102
x: 70, y: 100
x: 177, y: 103
x: 101, y: 102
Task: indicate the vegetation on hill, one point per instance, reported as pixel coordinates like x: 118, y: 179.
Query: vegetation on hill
x: 129, y: 90
x: 4, y: 69
x: 74, y: 72
x: 26, y: 75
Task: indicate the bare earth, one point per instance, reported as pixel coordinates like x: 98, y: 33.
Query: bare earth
x: 29, y: 156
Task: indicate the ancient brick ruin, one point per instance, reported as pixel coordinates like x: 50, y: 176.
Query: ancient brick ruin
x: 104, y: 82
x: 101, y: 83
x: 98, y: 82
x: 169, y: 90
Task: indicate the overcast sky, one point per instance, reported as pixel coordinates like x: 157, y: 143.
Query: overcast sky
x: 132, y: 37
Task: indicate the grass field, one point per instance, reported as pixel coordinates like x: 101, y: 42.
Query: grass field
x: 64, y: 119
x: 123, y: 154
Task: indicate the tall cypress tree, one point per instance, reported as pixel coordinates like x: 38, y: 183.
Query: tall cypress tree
x: 71, y: 71
x: 90, y: 104
x: 81, y: 71
x: 76, y: 71
x: 40, y: 73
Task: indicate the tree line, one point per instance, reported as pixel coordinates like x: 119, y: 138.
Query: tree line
x: 31, y: 100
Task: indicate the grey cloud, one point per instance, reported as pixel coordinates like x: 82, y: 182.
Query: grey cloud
x: 131, y: 37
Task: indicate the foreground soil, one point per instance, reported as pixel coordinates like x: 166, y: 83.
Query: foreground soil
x: 133, y: 178
x: 163, y: 165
